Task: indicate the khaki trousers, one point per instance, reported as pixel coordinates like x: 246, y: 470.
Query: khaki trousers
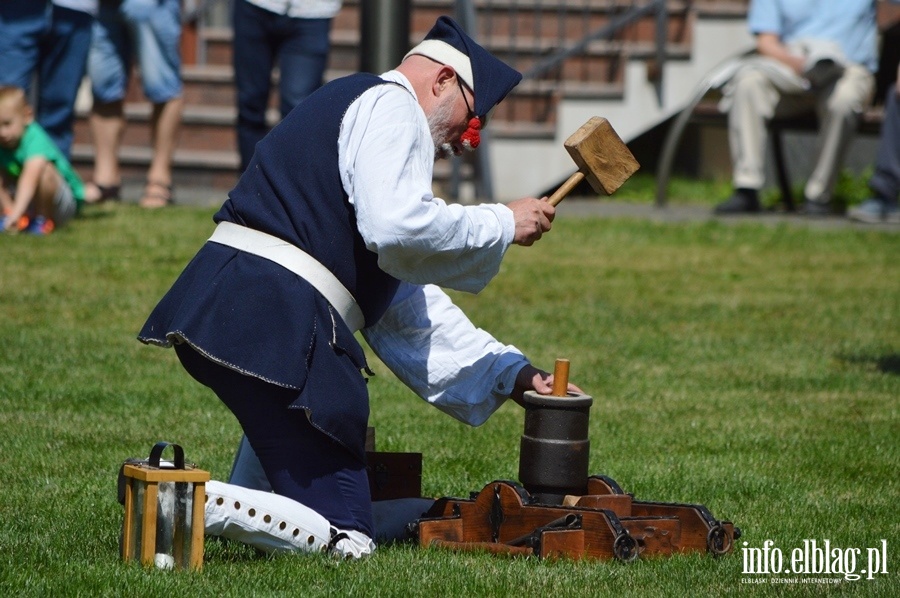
x: 757, y: 96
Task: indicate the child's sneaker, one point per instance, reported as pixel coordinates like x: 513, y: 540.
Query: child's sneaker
x: 22, y: 225
x: 40, y: 226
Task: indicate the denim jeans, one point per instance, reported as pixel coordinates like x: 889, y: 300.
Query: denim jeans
x: 23, y: 24
x: 145, y: 31
x: 263, y: 39
x: 62, y: 68
x: 886, y: 180
x: 52, y: 44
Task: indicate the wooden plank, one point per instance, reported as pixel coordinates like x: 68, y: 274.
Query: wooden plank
x: 198, y: 526
x: 148, y: 525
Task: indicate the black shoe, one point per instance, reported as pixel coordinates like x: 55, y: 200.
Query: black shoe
x: 742, y: 201
x: 815, y: 208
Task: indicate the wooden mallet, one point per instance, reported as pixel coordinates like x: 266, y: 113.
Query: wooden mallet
x: 602, y: 158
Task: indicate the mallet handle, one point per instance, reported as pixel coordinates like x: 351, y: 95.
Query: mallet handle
x: 566, y: 188
x: 561, y: 379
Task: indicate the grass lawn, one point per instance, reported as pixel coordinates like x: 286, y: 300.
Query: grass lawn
x: 753, y: 369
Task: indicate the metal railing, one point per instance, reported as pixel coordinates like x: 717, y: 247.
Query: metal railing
x: 621, y: 16
x: 537, y: 38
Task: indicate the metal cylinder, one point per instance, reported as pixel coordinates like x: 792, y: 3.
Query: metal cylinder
x: 554, y: 450
x: 384, y: 34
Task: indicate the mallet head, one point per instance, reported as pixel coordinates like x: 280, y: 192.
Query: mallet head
x: 601, y: 155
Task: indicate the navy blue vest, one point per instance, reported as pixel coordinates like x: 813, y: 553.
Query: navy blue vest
x: 258, y: 318
x: 292, y: 189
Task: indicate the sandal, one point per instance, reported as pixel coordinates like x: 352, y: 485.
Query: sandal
x: 156, y: 195
x: 96, y: 193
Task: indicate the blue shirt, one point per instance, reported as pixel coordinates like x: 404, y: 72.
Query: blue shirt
x: 850, y: 23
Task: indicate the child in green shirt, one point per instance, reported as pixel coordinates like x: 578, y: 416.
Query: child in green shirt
x: 48, y: 191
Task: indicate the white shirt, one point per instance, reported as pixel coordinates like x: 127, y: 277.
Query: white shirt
x: 303, y: 9
x: 88, y: 6
x: 386, y: 158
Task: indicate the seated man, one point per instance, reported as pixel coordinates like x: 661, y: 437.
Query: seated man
x: 813, y: 54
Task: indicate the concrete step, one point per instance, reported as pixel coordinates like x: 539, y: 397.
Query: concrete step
x: 199, y: 172
x: 210, y: 117
x: 206, y: 153
x: 190, y: 169
x: 202, y: 127
x: 210, y: 89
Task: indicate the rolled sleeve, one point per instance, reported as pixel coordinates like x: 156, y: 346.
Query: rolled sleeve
x: 433, y: 348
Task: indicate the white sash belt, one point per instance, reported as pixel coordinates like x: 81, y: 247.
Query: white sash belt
x: 297, y: 261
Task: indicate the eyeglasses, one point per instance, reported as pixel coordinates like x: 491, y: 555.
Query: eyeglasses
x: 470, y: 113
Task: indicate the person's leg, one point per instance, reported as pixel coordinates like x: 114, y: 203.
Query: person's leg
x: 43, y: 204
x: 108, y: 68
x: 299, y: 461
x: 53, y: 205
x: 391, y: 517
x: 839, y: 109
x: 64, y: 54
x: 157, y: 36
x: 753, y: 101
x: 22, y: 25
x: 107, y: 124
x: 885, y: 182
x: 756, y: 97
x: 165, y: 123
x: 253, y: 51
x: 246, y: 470
x: 64, y: 205
x: 302, y: 59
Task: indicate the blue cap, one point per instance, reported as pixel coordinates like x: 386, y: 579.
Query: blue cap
x: 489, y: 78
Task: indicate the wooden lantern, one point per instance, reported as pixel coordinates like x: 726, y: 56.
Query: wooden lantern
x: 164, y: 511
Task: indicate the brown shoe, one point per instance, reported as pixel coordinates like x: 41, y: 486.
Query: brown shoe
x: 156, y: 195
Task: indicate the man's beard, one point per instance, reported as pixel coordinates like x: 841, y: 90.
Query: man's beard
x: 439, y: 122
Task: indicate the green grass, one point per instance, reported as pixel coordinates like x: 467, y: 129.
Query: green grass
x: 850, y: 189
x: 641, y: 187
x: 754, y: 369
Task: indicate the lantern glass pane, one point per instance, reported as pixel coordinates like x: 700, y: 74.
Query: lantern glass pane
x: 173, y: 524
x: 138, y: 489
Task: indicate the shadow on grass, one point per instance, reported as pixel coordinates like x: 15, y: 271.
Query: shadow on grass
x: 886, y: 364
x: 889, y: 364
x: 94, y: 214
x: 224, y: 550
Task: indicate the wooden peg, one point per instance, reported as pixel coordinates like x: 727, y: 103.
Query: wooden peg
x: 561, y: 378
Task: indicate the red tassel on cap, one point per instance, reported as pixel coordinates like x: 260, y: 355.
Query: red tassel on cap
x: 472, y: 137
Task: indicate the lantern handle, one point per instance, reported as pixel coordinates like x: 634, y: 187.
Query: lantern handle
x: 157, y: 450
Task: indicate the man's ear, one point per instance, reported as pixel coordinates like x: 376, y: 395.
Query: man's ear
x: 444, y: 80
